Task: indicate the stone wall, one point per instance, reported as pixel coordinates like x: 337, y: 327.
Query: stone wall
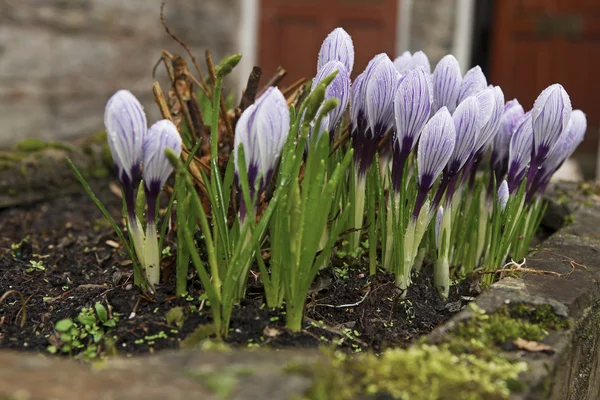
x: 60, y: 60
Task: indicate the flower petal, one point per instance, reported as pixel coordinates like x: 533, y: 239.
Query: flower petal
x: 412, y: 108
x: 465, y: 119
x: 519, y: 153
x: 435, y: 147
x: 473, y: 82
x: 162, y: 135
x: 513, y: 111
x: 339, y: 88
x: 550, y: 116
x: 126, y: 127
x: 337, y: 46
x: 447, y: 79
x: 381, y: 84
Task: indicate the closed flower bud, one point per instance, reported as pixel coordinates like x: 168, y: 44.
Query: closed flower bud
x: 262, y: 131
x: 467, y: 129
x: 126, y: 127
x: 407, y: 62
x: 157, y: 168
x: 550, y: 116
x: 339, y: 89
x: 473, y: 82
x: 435, y: 148
x: 513, y: 111
x: 519, y: 153
x: 447, y: 80
x: 337, y: 47
x: 489, y: 129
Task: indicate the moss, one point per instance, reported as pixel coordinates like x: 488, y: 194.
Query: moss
x: 498, y: 328
x: 419, y: 372
x: 468, y: 365
x: 221, y: 381
x: 32, y: 145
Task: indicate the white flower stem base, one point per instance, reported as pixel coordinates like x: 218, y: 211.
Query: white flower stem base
x: 359, y: 210
x: 152, y: 256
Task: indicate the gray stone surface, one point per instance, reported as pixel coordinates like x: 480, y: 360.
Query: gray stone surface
x: 60, y: 60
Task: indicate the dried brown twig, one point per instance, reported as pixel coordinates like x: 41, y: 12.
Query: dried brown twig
x: 23, y: 310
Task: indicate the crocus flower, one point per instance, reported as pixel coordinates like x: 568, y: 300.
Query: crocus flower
x: 435, y: 149
x: 473, y: 82
x: 126, y: 127
x: 372, y: 109
x: 503, y: 195
x: 447, y: 80
x: 407, y: 62
x: 513, y: 111
x: 262, y: 131
x: 157, y: 168
x: 490, y: 126
x: 337, y: 47
x: 519, y: 153
x: 338, y: 88
x: 564, y: 148
x: 466, y: 124
x: 550, y: 116
x: 412, y: 108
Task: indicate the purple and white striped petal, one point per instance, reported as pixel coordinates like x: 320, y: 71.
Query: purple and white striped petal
x: 412, y: 108
x: 357, y: 104
x: 466, y: 123
x: 503, y: 195
x: 550, y: 116
x: 407, y: 62
x: 162, y: 135
x: 403, y: 62
x: 126, y: 127
x: 473, y: 82
x: 489, y: 115
x: 339, y: 88
x: 337, y: 46
x: 420, y: 59
x: 566, y: 145
x: 435, y: 148
x: 513, y: 111
x: 490, y: 129
x: 380, y: 87
x: 519, y: 153
x: 262, y: 130
x: 577, y: 129
x: 447, y: 79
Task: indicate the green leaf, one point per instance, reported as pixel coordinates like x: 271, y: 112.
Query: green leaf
x: 63, y: 325
x: 101, y: 311
x: 175, y: 316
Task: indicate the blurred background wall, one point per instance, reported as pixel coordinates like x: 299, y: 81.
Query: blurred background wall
x: 60, y: 60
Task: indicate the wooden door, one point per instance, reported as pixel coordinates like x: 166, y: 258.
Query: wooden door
x: 291, y: 32
x: 540, y: 42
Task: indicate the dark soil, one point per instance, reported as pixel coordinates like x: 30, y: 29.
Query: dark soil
x: 83, y: 265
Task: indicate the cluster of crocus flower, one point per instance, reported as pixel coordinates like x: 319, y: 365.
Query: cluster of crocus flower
x: 139, y: 156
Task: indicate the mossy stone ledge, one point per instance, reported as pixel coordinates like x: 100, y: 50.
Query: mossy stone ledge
x: 530, y: 337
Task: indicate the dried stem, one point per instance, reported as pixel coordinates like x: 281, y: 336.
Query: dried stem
x: 275, y: 79
x: 201, y: 84
x: 223, y: 108
x: 23, y: 309
x: 251, y: 89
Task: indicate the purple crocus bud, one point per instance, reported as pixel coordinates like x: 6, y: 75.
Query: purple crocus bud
x: 338, y: 88
x: 466, y: 123
x: 420, y: 59
x: 372, y: 109
x: 550, y: 116
x: 519, y: 153
x: 337, y: 47
x: 513, y: 111
x: 126, y: 127
x: 262, y: 131
x: 473, y: 82
x: 157, y: 168
x: 503, y: 195
x: 446, y: 83
x: 435, y: 148
x: 564, y: 148
x: 407, y: 62
x: 438, y: 226
x: 489, y: 129
x: 412, y: 108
